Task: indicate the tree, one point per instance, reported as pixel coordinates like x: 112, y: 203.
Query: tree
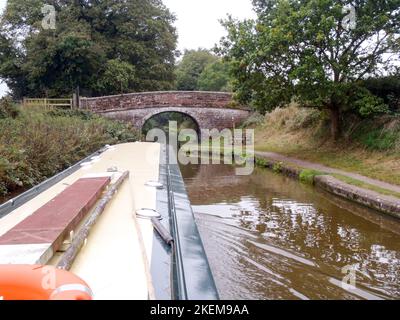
x: 118, y: 77
x: 215, y: 77
x: 312, y: 51
x: 190, y: 68
x: 92, y: 41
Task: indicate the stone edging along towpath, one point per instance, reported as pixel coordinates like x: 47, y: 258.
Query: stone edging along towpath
x: 386, y: 204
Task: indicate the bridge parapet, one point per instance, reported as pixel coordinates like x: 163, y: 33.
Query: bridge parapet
x: 185, y: 99
x: 211, y: 110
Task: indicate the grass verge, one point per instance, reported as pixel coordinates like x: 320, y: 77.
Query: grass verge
x: 367, y: 186
x: 307, y: 176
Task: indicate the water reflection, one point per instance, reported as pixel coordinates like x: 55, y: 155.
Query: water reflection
x: 269, y: 237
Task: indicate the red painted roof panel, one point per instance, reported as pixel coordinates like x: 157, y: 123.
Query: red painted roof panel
x: 53, y: 222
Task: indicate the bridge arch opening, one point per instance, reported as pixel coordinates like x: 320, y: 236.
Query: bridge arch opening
x: 162, y: 121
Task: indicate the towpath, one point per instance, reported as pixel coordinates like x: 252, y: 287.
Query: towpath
x: 323, y: 168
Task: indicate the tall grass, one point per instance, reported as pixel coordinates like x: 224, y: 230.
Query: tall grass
x: 370, y: 147
x: 382, y: 134
x: 377, y: 134
x: 36, y: 144
x: 293, y: 118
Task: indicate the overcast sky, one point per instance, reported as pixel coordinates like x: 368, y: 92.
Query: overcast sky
x: 197, y: 21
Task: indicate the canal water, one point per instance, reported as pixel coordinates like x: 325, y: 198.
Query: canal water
x: 270, y: 237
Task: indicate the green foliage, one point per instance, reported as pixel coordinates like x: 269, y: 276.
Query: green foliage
x: 54, y: 66
x: 37, y: 144
x: 378, y: 134
x: 118, y: 77
x: 119, y: 132
x: 261, y: 162
x: 200, y: 70
x: 369, y: 105
x: 277, y: 167
x: 105, y: 47
x: 215, y: 77
x: 8, y: 109
x: 300, y: 50
x: 193, y: 63
x: 308, y: 176
x: 380, y: 140
x: 387, y: 88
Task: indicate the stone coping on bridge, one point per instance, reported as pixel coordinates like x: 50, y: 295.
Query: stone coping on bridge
x: 160, y: 92
x: 140, y: 100
x: 167, y: 108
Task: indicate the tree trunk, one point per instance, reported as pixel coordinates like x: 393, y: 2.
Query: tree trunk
x: 335, y: 123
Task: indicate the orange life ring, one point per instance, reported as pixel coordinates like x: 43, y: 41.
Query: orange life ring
x: 35, y: 282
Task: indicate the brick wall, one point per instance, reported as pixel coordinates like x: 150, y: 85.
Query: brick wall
x: 209, y: 109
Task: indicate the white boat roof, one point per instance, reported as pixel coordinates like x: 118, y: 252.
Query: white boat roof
x: 115, y: 261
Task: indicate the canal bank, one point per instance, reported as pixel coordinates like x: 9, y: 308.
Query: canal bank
x: 387, y: 204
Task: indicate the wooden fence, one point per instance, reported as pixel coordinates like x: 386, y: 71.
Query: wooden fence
x: 48, y: 103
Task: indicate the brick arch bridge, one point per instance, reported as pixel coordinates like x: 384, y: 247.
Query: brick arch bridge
x: 211, y: 110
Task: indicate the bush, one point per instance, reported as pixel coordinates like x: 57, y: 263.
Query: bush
x: 255, y: 119
x: 369, y: 105
x: 308, y: 176
x: 37, y: 144
x: 8, y: 109
x: 260, y: 162
x: 277, y: 167
x: 81, y: 114
x: 386, y: 88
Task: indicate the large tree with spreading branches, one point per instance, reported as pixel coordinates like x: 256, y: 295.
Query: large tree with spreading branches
x: 315, y: 52
x: 103, y: 46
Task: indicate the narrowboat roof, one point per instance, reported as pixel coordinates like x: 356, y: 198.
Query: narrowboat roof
x: 124, y: 257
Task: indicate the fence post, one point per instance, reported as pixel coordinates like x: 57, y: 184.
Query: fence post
x: 77, y: 101
x: 74, y: 101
